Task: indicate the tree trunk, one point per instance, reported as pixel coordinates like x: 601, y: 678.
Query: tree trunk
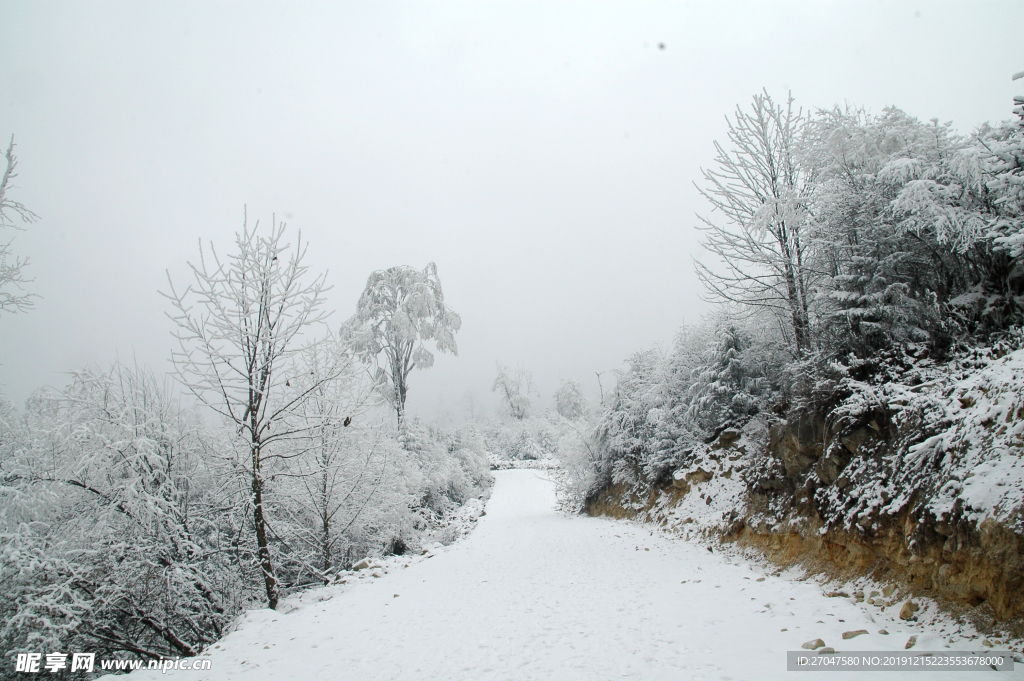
x: 399, y: 372
x: 793, y: 293
x: 262, y: 546
x: 325, y: 538
x: 325, y: 548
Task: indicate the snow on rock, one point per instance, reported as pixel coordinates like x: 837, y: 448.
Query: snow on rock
x: 711, y: 492
x: 534, y: 593
x: 944, y: 439
x: 982, y: 448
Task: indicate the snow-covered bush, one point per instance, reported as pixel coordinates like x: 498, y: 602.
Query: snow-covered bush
x: 736, y: 376
x: 526, y: 439
x: 443, y: 470
x: 466, y: 445
x: 580, y: 463
x: 453, y: 466
x: 664, y: 406
x: 112, y: 536
x: 642, y: 429
x: 379, y: 492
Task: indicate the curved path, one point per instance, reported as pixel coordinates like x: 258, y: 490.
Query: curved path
x: 535, y: 594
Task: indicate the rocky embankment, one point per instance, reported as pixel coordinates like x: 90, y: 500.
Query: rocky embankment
x: 916, y: 484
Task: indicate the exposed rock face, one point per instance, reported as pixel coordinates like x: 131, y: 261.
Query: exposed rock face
x: 620, y: 501
x: 797, y: 442
x: 727, y: 438
x: 699, y: 475
x: 954, y: 557
x: 988, y: 568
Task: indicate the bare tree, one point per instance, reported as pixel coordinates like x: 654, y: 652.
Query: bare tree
x: 471, y: 404
x: 12, y: 295
x: 763, y: 241
x: 400, y: 309
x: 342, y: 464
x: 238, y: 327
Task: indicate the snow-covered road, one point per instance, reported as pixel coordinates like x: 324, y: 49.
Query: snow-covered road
x: 535, y: 594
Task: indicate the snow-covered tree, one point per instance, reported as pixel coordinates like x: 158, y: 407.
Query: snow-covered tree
x: 400, y: 309
x: 239, y: 328
x: 642, y: 432
x: 471, y: 405
x: 13, y: 298
x: 762, y: 238
x: 727, y: 386
x: 570, y: 402
x: 1000, y: 163
x: 906, y: 214
x: 514, y: 389
x: 875, y: 280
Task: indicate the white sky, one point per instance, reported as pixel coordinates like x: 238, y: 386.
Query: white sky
x: 542, y: 154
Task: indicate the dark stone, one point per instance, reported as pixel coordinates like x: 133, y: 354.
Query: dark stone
x: 797, y: 441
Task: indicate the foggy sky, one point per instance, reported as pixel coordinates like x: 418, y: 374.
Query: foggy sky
x: 543, y: 155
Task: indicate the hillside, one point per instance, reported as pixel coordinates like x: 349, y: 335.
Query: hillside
x: 916, y: 482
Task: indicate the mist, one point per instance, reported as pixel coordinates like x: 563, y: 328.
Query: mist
x: 544, y: 156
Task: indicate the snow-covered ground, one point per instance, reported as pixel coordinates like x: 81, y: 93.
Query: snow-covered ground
x: 536, y: 594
